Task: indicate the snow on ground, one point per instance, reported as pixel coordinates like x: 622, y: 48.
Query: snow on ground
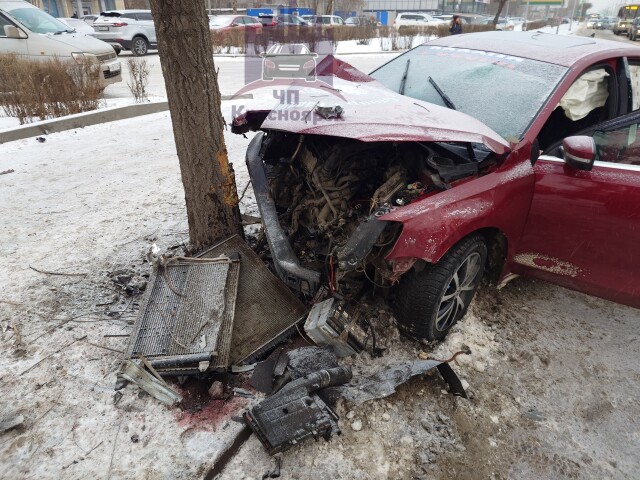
x: 553, y: 378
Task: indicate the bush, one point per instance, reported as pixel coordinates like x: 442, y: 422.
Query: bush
x: 139, y: 76
x: 46, y: 89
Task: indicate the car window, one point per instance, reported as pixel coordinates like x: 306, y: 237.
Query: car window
x: 36, y: 20
x: 3, y: 21
x: 590, y: 100
x: 621, y: 145
x: 130, y: 16
x: 144, y: 16
x: 477, y: 83
x: 238, y: 21
x: 248, y: 20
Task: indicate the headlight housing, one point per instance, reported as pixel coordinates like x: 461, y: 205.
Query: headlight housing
x: 85, y: 58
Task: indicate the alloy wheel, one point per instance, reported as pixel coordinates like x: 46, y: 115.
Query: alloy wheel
x: 459, y: 292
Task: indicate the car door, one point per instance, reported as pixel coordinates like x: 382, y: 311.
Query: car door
x: 146, y: 22
x: 583, y: 227
x: 12, y: 45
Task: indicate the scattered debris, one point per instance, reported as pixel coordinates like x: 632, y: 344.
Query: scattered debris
x: 329, y: 324
x: 147, y: 382
x: 41, y: 139
x: 329, y: 111
x: 385, y: 382
x: 266, y: 310
x: 47, y: 272
x: 10, y: 421
x: 4, y: 172
x: 275, y: 473
x: 188, y: 331
x: 241, y: 392
x: 216, y: 390
x: 129, y: 282
x: 51, y: 354
x: 296, y: 412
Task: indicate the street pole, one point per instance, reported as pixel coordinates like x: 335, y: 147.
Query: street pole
x: 209, y: 6
x: 526, y: 16
x: 573, y: 12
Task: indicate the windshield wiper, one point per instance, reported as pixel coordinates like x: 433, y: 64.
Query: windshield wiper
x: 403, y: 82
x: 60, y: 32
x: 445, y: 98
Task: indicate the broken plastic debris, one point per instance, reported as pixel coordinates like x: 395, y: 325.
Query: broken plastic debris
x: 329, y: 111
x: 150, y: 384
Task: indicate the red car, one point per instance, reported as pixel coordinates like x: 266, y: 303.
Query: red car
x: 227, y: 23
x: 497, y: 153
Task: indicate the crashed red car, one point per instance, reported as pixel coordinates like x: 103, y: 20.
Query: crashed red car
x: 494, y: 153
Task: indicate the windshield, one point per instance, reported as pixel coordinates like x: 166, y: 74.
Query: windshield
x: 38, y: 21
x: 503, y: 92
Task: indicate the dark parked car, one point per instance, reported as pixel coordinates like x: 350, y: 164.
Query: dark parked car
x: 421, y: 185
x: 289, y: 61
x: 290, y: 21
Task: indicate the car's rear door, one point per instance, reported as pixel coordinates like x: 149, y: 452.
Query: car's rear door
x: 583, y: 228
x: 146, y: 22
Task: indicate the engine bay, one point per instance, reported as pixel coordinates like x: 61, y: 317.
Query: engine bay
x: 328, y: 193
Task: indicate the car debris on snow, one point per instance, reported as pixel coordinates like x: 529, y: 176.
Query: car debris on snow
x: 296, y: 412
x: 150, y: 384
x: 7, y: 422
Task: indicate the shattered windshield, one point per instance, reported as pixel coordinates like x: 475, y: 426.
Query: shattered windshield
x: 38, y: 21
x: 502, y: 91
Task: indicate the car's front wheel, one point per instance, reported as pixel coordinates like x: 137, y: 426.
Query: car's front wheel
x: 429, y: 302
x: 139, y: 47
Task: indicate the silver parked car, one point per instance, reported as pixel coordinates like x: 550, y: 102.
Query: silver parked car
x: 133, y: 29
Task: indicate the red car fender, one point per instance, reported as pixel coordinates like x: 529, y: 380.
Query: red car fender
x: 499, y: 200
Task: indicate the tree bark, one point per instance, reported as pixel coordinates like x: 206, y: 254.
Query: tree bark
x: 184, y: 47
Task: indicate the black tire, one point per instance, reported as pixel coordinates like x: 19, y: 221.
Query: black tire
x: 139, y: 46
x: 420, y: 295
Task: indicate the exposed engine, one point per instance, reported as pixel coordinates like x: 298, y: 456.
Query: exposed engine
x: 326, y: 189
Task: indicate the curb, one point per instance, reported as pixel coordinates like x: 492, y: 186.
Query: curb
x: 86, y: 119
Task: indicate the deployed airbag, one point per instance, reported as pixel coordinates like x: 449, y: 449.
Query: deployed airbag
x: 586, y: 94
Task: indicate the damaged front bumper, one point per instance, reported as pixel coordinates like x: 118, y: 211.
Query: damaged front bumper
x: 286, y: 262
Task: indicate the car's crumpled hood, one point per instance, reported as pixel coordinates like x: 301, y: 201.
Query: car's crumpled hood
x: 371, y: 112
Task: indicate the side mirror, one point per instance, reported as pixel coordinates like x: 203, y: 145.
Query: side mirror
x: 11, y: 31
x: 579, y: 152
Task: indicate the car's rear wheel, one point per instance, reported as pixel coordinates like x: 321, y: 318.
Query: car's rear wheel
x: 429, y: 302
x: 139, y: 46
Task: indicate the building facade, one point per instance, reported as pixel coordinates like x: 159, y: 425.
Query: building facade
x: 67, y: 8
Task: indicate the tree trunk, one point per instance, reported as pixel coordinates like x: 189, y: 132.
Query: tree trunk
x: 329, y: 10
x: 501, y: 4
x: 184, y: 46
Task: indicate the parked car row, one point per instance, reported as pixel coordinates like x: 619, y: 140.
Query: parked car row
x: 32, y: 33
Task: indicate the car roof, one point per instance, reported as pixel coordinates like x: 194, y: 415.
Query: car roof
x: 125, y: 11
x: 562, y: 50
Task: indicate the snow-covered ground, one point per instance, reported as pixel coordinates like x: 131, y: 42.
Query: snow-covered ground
x: 554, y: 376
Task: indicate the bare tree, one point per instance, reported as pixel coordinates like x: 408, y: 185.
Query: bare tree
x: 329, y: 8
x: 501, y: 4
x: 184, y: 46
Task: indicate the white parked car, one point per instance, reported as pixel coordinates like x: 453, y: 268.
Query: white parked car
x: 133, y: 29
x: 28, y: 31
x: 416, y: 20
x: 328, y: 20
